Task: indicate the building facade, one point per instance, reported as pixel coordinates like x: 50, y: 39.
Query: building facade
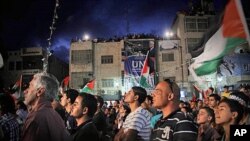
x: 27, y: 62
x: 100, y: 61
x: 115, y: 65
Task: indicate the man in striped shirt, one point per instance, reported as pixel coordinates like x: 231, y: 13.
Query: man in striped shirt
x: 173, y: 125
x: 137, y: 124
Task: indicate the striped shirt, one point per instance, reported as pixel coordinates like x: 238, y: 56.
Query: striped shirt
x: 175, y: 127
x: 139, y: 120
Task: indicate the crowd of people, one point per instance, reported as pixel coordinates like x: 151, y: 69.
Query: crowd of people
x: 49, y: 113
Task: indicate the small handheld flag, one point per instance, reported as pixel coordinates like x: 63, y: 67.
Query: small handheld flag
x: 89, y: 87
x: 145, y: 73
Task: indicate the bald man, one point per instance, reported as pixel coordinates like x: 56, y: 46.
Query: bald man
x: 174, y: 125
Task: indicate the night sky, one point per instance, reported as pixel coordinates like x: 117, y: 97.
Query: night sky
x: 25, y: 23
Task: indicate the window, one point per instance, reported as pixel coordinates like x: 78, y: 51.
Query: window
x: 111, y: 92
x: 191, y: 43
x: 246, y: 67
x: 108, y: 59
x: 11, y: 65
x: 79, y: 79
x: 81, y: 56
x: 123, y: 78
x: 196, y: 24
x: 18, y: 65
x: 202, y: 25
x: 107, y: 83
x: 190, y: 24
x: 32, y: 62
x: 166, y: 57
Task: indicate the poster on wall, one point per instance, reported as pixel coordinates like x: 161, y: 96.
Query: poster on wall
x: 135, y: 52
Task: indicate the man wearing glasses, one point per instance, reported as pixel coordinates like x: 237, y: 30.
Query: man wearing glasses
x: 173, y: 125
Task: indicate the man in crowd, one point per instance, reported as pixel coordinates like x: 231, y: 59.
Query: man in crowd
x: 137, y: 124
x: 99, y: 118
x: 43, y: 122
x: 83, y: 110
x: 67, y: 100
x: 147, y: 104
x: 174, y: 125
x: 226, y: 92
x: 214, y: 100
x: 9, y: 127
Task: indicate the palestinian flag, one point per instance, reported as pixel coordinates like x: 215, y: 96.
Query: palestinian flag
x: 89, y: 87
x: 232, y: 33
x: 145, y: 74
x: 18, y: 83
x: 66, y: 81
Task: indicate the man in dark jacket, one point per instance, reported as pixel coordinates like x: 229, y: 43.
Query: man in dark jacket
x: 43, y: 122
x: 83, y: 110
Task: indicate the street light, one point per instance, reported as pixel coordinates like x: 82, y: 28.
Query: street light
x: 86, y: 37
x: 169, y: 34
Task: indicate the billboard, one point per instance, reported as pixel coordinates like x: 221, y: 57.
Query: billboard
x: 134, y: 55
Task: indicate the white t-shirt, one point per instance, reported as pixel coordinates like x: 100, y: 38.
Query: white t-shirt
x: 139, y: 120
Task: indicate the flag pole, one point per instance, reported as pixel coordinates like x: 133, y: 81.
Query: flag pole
x: 144, y: 63
x: 20, y: 88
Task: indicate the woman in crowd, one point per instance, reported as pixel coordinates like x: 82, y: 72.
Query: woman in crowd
x: 124, y: 111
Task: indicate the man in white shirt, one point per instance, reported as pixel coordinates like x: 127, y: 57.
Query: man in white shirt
x: 137, y: 124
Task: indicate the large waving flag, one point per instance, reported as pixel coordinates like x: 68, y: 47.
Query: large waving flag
x: 89, y: 87
x: 232, y: 32
x: 145, y: 74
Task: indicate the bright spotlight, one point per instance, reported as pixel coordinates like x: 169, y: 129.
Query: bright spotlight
x: 169, y: 34
x: 86, y: 37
